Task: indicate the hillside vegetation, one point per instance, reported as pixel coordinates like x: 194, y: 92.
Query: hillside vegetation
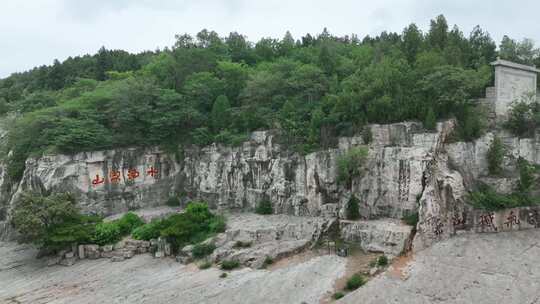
x: 217, y: 89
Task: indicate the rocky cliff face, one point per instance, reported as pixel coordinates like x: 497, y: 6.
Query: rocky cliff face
x: 408, y: 170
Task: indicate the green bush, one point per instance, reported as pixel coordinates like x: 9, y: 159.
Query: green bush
x: 350, y: 165
x: 338, y: 295
x: 353, y: 209
x: 173, y: 201
x: 149, y: 231
x: 194, y: 225
x: 526, y: 175
x: 355, y: 281
x: 495, y: 156
x: 229, y: 265
x: 218, y: 224
x: 264, y: 207
x: 107, y: 233
x: 128, y: 222
x: 382, y: 261
x: 223, y: 275
x: 205, y: 265
x: 487, y: 198
x: 411, y: 219
x: 240, y: 244
x: 367, y: 135
x: 523, y: 117
x: 202, y: 250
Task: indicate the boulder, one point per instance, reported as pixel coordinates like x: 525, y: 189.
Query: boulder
x: 385, y: 235
x: 107, y: 254
x: 81, y: 252
x: 107, y: 248
x: 128, y: 254
x: 92, y: 251
x: 68, y: 261
x: 53, y: 260
x: 117, y: 259
x: 184, y: 259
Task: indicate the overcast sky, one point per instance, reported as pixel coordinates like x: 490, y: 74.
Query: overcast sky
x: 35, y: 32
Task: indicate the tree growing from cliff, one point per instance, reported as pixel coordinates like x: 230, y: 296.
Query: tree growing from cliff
x: 495, y: 156
x: 523, y: 117
x: 353, y: 209
x: 351, y: 165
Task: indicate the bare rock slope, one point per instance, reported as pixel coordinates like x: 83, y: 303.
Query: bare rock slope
x: 470, y: 268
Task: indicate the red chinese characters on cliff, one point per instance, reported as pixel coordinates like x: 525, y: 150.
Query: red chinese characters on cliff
x: 97, y: 181
x: 115, y: 176
x: 152, y: 172
x: 132, y: 174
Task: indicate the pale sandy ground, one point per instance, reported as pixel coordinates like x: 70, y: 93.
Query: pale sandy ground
x: 483, y: 268
x: 144, y: 279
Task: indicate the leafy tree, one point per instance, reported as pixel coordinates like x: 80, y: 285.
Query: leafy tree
x: 52, y: 222
x: 521, y: 52
x: 526, y: 175
x: 412, y: 42
x: 438, y: 33
x: 266, y: 49
x: 482, y: 48
x: 430, y: 121
x: 524, y: 116
x: 203, y: 88
x: 234, y: 77
x: 239, y: 48
x: 220, y: 115
x: 351, y: 164
x: 286, y: 45
x: 4, y: 107
x: 495, y: 156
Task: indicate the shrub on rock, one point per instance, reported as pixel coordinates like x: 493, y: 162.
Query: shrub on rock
x: 229, y: 265
x: 264, y: 207
x: 128, y: 222
x: 202, y: 250
x: 355, y: 281
x: 107, y: 233
x: 353, y: 209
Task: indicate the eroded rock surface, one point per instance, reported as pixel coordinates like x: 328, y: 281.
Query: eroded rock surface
x: 143, y: 279
x: 470, y: 268
x: 388, y: 236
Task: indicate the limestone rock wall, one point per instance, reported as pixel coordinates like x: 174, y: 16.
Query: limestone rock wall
x: 408, y: 170
x: 239, y: 177
x: 104, y: 182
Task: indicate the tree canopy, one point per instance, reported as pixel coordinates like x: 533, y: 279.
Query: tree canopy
x: 208, y: 88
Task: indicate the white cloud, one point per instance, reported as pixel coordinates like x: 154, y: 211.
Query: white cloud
x: 36, y: 32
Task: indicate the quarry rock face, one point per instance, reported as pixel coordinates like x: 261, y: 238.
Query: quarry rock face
x: 407, y: 170
x: 108, y: 182
x: 388, y: 236
x: 104, y: 182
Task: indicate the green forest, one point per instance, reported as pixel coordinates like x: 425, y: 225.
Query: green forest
x: 208, y: 88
